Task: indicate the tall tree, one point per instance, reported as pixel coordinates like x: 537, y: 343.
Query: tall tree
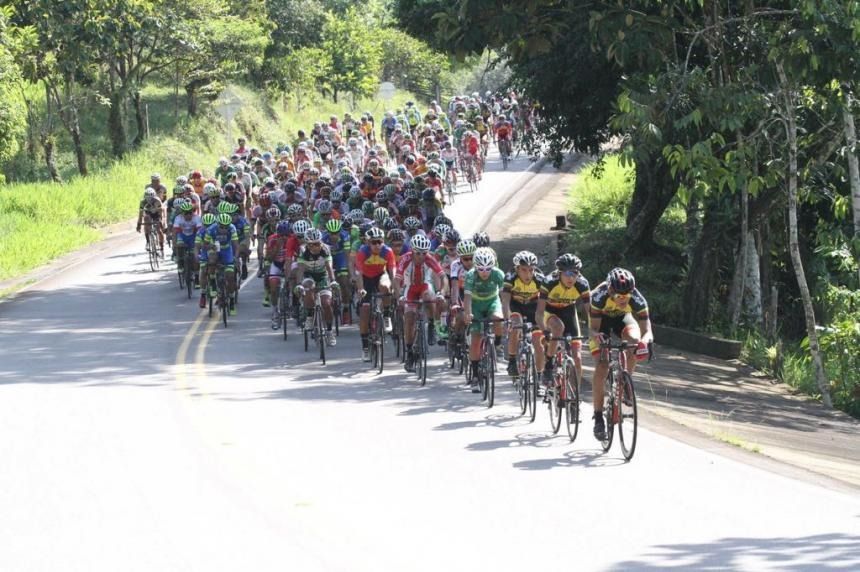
x: 355, y: 54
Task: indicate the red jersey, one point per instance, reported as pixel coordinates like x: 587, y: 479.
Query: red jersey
x: 276, y: 248
x: 372, y: 265
x: 413, y: 275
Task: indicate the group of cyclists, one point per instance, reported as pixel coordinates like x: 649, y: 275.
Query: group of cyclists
x: 353, y: 211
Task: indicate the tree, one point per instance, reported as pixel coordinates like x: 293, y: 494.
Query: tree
x: 12, y: 116
x: 354, y: 52
x: 411, y: 64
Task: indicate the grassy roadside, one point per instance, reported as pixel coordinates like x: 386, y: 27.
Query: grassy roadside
x: 42, y: 221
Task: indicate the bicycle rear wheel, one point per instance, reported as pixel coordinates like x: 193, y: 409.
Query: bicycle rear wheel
x: 533, y: 391
x: 523, y: 383
x: 628, y: 418
x: 371, y: 342
x: 189, y: 277
x: 571, y: 402
x: 320, y: 333
x: 491, y: 377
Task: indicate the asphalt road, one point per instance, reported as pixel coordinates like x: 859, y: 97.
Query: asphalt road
x: 137, y: 434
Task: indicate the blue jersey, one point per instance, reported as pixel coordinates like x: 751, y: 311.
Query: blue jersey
x: 221, y: 235
x: 339, y: 250
x: 242, y: 226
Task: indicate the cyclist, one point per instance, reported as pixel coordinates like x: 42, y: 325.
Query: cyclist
x: 563, y: 290
x: 481, y: 300
x: 617, y: 307
x: 521, y: 301
x: 222, y: 244
x: 314, y: 260
x: 374, y: 267
x: 459, y: 268
x: 151, y: 212
x: 186, y: 225
x: 160, y: 189
x: 337, y: 240
x: 276, y: 258
x: 421, y: 275
x: 449, y: 156
x: 243, y: 232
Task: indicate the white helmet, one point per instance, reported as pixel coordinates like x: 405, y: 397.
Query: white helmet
x: 484, y: 258
x: 149, y: 193
x: 300, y: 227
x: 420, y: 243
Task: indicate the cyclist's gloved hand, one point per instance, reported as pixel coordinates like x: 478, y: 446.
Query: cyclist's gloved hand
x: 642, y: 351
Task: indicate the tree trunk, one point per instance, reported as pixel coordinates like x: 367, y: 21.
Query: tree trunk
x: 653, y: 191
x: 703, y: 267
x: 80, y: 154
x: 692, y: 227
x: 139, y: 120
x: 191, y: 99
x: 736, y: 298
x: 794, y: 243
x: 116, y: 124
x: 334, y: 95
x: 853, y: 167
x: 752, y: 282
x: 47, y: 141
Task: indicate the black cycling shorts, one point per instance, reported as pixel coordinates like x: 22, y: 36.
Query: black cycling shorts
x: 527, y: 311
x: 567, y: 315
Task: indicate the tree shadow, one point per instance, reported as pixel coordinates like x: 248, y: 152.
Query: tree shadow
x: 576, y: 458
x: 833, y: 551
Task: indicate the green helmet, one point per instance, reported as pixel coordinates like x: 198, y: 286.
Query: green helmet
x: 233, y: 209
x: 209, y: 219
x: 333, y: 226
x: 187, y: 207
x: 225, y: 219
x: 224, y: 207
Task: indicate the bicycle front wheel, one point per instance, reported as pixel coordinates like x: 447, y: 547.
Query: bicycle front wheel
x: 571, y: 402
x: 380, y: 341
x: 628, y: 416
x: 609, y: 409
x: 491, y: 376
x: 523, y: 383
x: 554, y: 402
x: 533, y: 390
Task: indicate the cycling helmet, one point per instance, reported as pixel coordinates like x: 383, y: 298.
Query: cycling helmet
x: 229, y: 187
x: 364, y: 228
x: 525, y: 258
x: 354, y: 192
x: 300, y: 227
x: 225, y: 219
x: 356, y: 215
x: 390, y: 224
x: 324, y: 206
x: 466, y: 247
x: 484, y: 258
x: 375, y: 233
x: 441, y: 230
x: 177, y: 190
x: 283, y: 228
x: 396, y: 235
x: 420, y: 243
x: 333, y: 226
x: 149, y: 193
x: 232, y: 208
x: 412, y: 223
x: 442, y: 219
x: 452, y: 236
x: 367, y: 208
x: 223, y: 207
x: 211, y: 191
x: 569, y: 262
x: 273, y: 212
x: 155, y: 177
x: 312, y: 235
x: 294, y: 210
x: 411, y: 195
x: 621, y: 280
x: 186, y: 207
x: 482, y: 239
x: 336, y: 196
x: 380, y: 214
x: 208, y: 219
x: 428, y: 195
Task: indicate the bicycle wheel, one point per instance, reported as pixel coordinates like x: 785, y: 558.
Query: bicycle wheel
x: 628, y: 418
x: 211, y: 301
x: 554, y: 401
x: 609, y: 409
x: 491, y: 378
x: 571, y: 401
x: 284, y: 309
x: 371, y: 342
x: 422, y: 358
x: 523, y: 382
x: 320, y: 332
x: 483, y: 367
x: 533, y: 391
x: 189, y: 278
x: 305, y: 331
x: 225, y: 306
x: 380, y: 341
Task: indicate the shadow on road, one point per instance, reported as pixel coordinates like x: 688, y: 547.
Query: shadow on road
x: 822, y: 551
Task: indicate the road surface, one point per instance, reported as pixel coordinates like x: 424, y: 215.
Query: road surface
x: 138, y: 434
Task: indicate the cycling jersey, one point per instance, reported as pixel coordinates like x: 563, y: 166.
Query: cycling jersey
x: 339, y: 246
x: 152, y: 207
x: 413, y: 275
x: 484, y: 289
x: 314, y: 265
x: 602, y: 304
x: 242, y: 228
x: 276, y: 249
x: 220, y: 235
x: 521, y: 292
x: 372, y: 265
x: 557, y: 295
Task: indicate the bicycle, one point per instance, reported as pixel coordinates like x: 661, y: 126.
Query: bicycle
x: 619, y: 397
x: 457, y: 348
x: 505, y: 152
x: 376, y: 337
x: 563, y: 393
x: 283, y: 307
x: 397, y: 334
x: 449, y: 185
x: 336, y: 306
x: 487, y: 365
x: 222, y: 299
x: 527, y: 378
x: 186, y: 271
x: 421, y: 347
x: 317, y: 329
x: 471, y: 172
x: 152, y: 246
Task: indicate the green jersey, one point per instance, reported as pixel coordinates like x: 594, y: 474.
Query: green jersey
x: 484, y: 289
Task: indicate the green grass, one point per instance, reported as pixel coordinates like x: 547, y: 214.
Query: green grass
x: 40, y: 221
x: 598, y: 207
x: 736, y: 441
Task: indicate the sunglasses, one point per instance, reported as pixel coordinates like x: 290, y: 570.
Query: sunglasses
x: 570, y: 273
x: 466, y: 259
x: 396, y: 245
x: 376, y: 242
x: 621, y: 296
x: 485, y: 269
